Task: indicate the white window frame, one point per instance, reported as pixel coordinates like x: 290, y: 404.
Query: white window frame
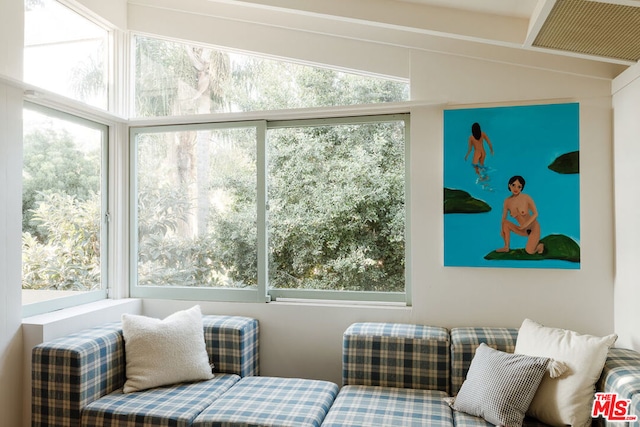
x: 189, y: 292
x: 102, y: 293
x: 262, y: 293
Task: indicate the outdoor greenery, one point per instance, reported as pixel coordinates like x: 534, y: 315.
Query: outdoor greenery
x: 336, y: 192
x: 60, y: 212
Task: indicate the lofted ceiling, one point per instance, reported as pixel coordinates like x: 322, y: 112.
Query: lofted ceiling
x: 600, y: 35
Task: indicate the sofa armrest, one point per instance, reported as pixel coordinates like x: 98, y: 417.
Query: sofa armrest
x: 396, y: 355
x: 621, y: 375
x: 70, y: 372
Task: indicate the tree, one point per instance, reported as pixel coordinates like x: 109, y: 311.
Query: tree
x: 336, y: 193
x: 53, y: 164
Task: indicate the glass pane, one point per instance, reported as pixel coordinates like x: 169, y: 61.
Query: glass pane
x: 197, y: 221
x: 175, y: 79
x: 336, y: 207
x: 65, y: 53
x: 61, y: 206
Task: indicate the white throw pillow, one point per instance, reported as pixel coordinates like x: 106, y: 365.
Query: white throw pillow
x: 499, y: 386
x: 162, y: 352
x: 565, y: 400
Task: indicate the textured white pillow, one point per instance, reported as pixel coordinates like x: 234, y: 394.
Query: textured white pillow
x: 161, y: 352
x: 566, y: 400
x: 499, y: 386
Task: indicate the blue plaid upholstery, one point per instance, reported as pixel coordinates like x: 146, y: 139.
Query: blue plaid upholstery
x: 71, y: 372
x: 150, y: 408
x: 232, y: 343
x: 621, y: 374
x: 464, y: 342
x: 396, y: 355
x: 358, y: 405
x: 272, y: 402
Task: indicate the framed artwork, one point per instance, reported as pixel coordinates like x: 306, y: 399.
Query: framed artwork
x: 512, y: 187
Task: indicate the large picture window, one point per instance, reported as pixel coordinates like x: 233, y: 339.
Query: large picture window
x: 63, y: 210
x: 282, y: 209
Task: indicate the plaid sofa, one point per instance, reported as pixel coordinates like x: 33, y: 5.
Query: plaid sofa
x: 393, y: 375
x: 77, y: 381
x: 399, y: 375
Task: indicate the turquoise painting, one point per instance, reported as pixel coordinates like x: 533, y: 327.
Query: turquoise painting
x: 512, y: 187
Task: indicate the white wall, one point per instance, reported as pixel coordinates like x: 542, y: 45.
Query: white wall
x: 10, y: 214
x: 626, y: 105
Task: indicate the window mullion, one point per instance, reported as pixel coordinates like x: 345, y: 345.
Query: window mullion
x: 263, y: 211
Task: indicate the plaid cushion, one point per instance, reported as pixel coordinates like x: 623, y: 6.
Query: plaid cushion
x: 386, y: 406
x: 70, y: 372
x: 175, y: 406
x: 232, y: 343
x: 274, y: 402
x: 464, y: 342
x: 396, y: 355
x: 621, y: 374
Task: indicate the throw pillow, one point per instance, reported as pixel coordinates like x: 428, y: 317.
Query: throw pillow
x: 565, y: 400
x: 499, y: 386
x: 162, y: 352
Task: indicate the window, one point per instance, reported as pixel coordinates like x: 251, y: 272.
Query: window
x: 196, y: 209
x: 63, y: 210
x: 337, y: 206
x: 323, y: 217
x: 65, y: 53
x: 173, y: 79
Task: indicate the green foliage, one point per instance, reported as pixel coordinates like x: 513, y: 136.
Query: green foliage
x: 69, y: 257
x: 336, y: 193
x: 54, y: 165
x: 336, y: 196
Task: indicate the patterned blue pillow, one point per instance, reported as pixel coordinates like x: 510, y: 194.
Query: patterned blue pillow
x: 500, y: 386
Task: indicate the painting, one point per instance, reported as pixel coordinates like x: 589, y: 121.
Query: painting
x: 512, y: 187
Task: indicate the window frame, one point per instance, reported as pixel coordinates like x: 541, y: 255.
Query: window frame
x: 263, y: 293
x: 102, y: 293
x: 109, y: 72
x: 188, y: 292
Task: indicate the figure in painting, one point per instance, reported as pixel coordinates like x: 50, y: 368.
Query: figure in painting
x: 523, y: 210
x: 476, y: 144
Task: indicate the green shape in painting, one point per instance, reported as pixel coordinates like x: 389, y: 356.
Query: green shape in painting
x: 459, y: 201
x: 567, y: 163
x: 556, y: 246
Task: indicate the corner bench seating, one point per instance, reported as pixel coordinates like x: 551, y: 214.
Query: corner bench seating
x: 393, y: 375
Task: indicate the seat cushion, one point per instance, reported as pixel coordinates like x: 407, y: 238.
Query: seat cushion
x: 176, y: 405
x: 273, y: 402
x: 359, y: 405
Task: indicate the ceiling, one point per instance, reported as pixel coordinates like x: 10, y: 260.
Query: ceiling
x: 517, y: 8
x: 607, y: 29
x: 590, y: 37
